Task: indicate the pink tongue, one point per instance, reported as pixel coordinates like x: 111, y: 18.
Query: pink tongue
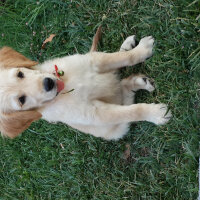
x: 60, y: 85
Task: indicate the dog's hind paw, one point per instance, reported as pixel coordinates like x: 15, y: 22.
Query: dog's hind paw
x: 128, y: 44
x: 160, y: 114
x: 144, y: 83
x: 146, y: 47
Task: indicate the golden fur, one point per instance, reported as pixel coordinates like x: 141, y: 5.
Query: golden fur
x: 100, y: 104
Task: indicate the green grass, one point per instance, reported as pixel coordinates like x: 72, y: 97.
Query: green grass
x: 55, y: 162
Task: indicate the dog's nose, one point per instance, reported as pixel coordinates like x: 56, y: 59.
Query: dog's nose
x: 48, y: 84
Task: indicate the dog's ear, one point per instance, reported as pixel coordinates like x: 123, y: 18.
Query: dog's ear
x: 12, y: 124
x: 11, y: 58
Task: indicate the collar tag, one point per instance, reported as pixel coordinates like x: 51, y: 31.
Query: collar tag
x: 58, y: 73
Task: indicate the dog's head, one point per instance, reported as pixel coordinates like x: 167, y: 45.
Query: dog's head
x: 22, y: 91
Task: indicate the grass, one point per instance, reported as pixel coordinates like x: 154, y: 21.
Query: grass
x: 56, y: 162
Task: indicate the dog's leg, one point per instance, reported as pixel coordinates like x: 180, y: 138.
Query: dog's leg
x: 105, y: 62
x: 132, y: 84
x: 115, y: 114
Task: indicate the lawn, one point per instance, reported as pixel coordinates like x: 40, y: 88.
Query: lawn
x: 57, y: 162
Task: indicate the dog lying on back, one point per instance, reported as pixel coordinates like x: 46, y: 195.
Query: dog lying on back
x: 99, y: 103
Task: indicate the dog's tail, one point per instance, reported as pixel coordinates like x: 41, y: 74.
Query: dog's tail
x: 95, y: 40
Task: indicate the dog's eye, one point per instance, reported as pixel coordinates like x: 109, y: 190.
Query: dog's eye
x: 22, y: 99
x: 20, y: 74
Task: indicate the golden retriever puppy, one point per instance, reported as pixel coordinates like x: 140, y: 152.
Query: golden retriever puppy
x: 99, y: 103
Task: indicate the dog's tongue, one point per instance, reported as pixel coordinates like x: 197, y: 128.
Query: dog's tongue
x: 60, y: 85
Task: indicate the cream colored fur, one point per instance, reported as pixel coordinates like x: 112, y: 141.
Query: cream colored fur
x: 100, y: 104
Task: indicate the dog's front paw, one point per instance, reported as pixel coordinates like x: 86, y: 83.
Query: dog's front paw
x: 159, y: 114
x: 128, y: 44
x: 145, y: 47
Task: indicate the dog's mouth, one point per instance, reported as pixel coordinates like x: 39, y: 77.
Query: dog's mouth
x: 60, y: 86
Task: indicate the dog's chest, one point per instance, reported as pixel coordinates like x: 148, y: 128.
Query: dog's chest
x: 81, y: 77
x: 89, y: 85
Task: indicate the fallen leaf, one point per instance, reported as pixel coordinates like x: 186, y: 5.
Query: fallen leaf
x: 127, y: 152
x: 49, y: 39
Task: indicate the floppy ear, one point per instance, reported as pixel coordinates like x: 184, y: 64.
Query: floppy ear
x: 11, y: 58
x: 12, y: 124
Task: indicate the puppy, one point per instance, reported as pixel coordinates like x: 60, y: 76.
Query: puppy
x: 88, y: 97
